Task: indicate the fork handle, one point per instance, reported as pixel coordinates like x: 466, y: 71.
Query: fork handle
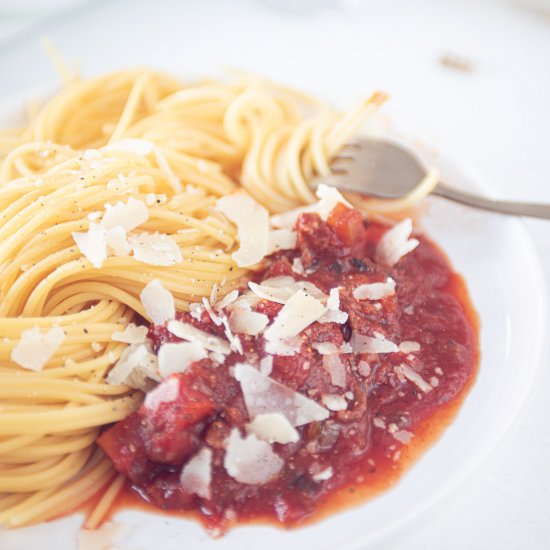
x: 505, y: 207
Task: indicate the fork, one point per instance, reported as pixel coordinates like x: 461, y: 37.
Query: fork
x: 383, y: 169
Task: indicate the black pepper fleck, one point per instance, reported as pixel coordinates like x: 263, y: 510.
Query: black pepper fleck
x: 360, y: 265
x: 346, y: 332
x: 336, y: 267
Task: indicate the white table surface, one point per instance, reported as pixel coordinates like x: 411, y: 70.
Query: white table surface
x: 497, y: 116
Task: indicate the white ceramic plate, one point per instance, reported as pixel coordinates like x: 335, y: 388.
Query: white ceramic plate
x: 498, y: 261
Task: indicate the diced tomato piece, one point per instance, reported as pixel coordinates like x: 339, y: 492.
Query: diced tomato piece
x: 123, y: 444
x: 292, y: 370
x: 169, y: 430
x: 189, y: 407
x: 348, y: 225
x: 317, y: 240
x: 271, y: 309
x: 172, y: 446
x: 280, y: 267
x: 160, y: 334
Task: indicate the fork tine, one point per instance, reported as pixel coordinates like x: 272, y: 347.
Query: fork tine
x: 339, y: 173
x: 353, y: 145
x: 343, y: 157
x: 341, y: 164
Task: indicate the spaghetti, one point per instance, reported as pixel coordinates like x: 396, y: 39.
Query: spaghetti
x: 84, y: 150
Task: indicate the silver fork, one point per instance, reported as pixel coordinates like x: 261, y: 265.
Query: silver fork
x: 386, y: 170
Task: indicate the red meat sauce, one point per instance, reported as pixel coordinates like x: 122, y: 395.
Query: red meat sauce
x: 388, y: 422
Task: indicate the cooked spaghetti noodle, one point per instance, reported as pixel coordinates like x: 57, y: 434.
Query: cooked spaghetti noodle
x: 56, y: 176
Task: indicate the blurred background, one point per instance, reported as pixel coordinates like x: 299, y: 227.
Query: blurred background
x: 474, y: 75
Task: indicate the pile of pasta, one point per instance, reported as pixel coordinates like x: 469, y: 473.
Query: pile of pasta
x: 176, y: 147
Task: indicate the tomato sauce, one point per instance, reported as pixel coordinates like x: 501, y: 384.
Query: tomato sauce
x: 356, y: 452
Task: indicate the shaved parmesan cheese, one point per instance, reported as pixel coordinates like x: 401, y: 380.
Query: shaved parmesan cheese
x: 264, y: 395
x: 325, y: 348
x: 95, y: 242
x: 115, y: 239
x: 273, y: 428
x: 178, y: 356
x: 266, y: 365
x: 91, y: 154
x: 35, y: 349
x: 280, y: 281
x: 414, y: 377
x: 329, y: 198
x: 364, y: 368
x: 141, y: 147
x: 247, y: 300
x: 92, y: 245
x: 136, y: 366
x: 216, y: 319
x: 281, y: 289
x: 227, y: 299
x: 395, y: 243
x: 409, y: 346
x: 286, y: 220
x: 101, y: 538
x: 196, y: 475
x: 152, y: 199
x: 128, y: 216
x: 403, y: 436
x: 217, y: 357
x: 281, y: 239
x: 379, y: 423
x: 155, y: 249
x: 334, y: 316
x: 132, y: 334
x: 321, y: 475
x: 273, y: 294
x: 299, y: 312
x: 298, y: 266
x: 334, y: 366
x: 234, y: 341
x: 252, y: 221
x: 346, y: 347
x: 286, y: 348
x: 375, y: 291
x: 195, y: 310
x: 367, y: 344
x: 214, y: 294
x: 333, y: 302
x: 334, y: 402
x: 243, y: 321
x: 92, y: 216
x: 166, y: 392
x: 251, y: 461
x: 192, y: 334
x: 158, y: 302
